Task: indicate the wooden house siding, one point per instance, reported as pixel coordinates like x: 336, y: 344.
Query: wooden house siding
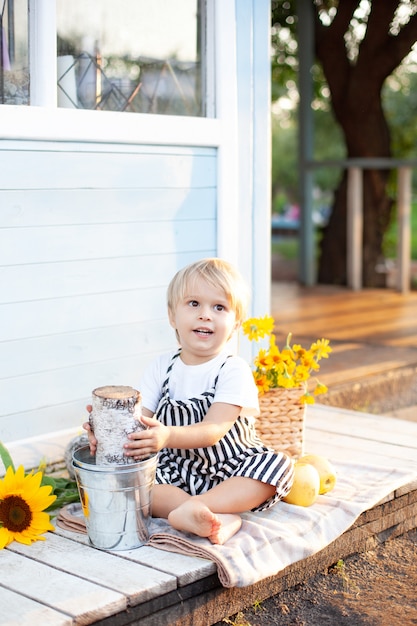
x: 90, y: 235
x: 98, y: 210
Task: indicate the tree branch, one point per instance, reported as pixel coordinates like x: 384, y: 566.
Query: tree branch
x: 337, y: 29
x: 379, y: 20
x: 331, y: 48
x: 400, y: 45
x: 389, y: 50
x: 343, y: 17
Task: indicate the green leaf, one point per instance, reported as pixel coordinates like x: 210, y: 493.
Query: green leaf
x: 48, y: 480
x: 5, y: 457
x: 65, y: 490
x: 63, y: 499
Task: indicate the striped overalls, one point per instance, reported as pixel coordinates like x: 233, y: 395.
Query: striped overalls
x: 239, y: 453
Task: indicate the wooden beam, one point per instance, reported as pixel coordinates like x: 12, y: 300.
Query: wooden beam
x: 354, y: 227
x: 404, y: 231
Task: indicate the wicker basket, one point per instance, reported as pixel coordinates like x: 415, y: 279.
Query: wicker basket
x: 280, y: 424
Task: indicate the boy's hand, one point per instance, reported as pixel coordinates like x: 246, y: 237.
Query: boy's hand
x: 91, y: 438
x: 146, y: 442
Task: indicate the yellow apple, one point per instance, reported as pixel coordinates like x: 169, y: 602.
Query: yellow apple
x: 325, y: 469
x: 306, y: 485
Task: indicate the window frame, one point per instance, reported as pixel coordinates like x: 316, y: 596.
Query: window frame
x: 44, y: 121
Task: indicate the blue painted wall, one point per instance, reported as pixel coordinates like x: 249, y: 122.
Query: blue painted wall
x: 90, y: 236
x: 98, y: 212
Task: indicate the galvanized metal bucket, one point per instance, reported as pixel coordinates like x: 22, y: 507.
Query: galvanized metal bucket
x: 116, y: 500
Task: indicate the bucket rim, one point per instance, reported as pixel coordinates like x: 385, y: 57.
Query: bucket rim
x: 88, y: 462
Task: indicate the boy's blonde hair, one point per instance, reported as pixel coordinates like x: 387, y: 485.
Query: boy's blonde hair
x: 216, y: 272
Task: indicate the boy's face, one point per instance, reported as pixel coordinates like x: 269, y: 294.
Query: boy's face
x: 203, y: 320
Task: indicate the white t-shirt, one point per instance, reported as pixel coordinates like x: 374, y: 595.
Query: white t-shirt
x: 235, y: 384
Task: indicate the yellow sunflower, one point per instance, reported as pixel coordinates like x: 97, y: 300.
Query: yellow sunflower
x: 22, y: 502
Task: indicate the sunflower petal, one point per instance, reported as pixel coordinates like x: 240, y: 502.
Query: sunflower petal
x: 41, y: 521
x: 41, y: 500
x: 6, y: 537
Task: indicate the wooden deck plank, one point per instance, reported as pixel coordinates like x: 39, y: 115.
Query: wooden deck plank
x: 359, y: 374
x: 371, y: 316
x: 360, y: 437
x: 137, y: 582
x: 73, y: 579
x: 16, y: 610
x: 348, y: 323
x: 361, y: 450
x: 185, y: 569
x: 336, y: 448
x: 376, y: 428
x: 83, y: 600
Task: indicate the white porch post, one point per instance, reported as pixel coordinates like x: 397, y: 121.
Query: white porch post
x: 42, y: 53
x: 253, y: 227
x: 261, y: 159
x: 226, y: 112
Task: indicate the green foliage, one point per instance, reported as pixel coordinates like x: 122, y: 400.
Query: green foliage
x: 329, y: 145
x: 287, y: 248
x: 66, y: 491
x: 399, y: 99
x: 284, y: 163
x: 349, y: 586
x: 237, y: 620
x: 391, y: 235
x: 6, y: 458
x: 284, y: 60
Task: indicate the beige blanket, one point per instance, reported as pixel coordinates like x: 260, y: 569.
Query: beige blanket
x: 270, y: 541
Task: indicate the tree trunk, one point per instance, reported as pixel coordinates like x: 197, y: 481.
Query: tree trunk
x: 376, y: 215
x: 355, y: 86
x: 116, y: 413
x: 367, y: 135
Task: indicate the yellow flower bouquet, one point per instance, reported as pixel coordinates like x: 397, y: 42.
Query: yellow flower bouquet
x: 290, y: 367
x: 282, y: 376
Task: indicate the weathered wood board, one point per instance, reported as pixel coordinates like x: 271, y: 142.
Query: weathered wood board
x: 65, y: 581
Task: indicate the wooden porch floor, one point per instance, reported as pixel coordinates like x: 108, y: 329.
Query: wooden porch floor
x: 374, y: 316
x: 63, y: 581
x: 373, y: 366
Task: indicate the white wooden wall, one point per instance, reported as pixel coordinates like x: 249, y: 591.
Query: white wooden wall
x: 98, y: 211
x: 90, y: 236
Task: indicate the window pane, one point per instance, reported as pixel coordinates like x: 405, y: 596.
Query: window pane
x: 14, y: 55
x: 130, y: 55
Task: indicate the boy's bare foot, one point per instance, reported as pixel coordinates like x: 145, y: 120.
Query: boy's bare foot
x: 230, y: 524
x: 195, y: 517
